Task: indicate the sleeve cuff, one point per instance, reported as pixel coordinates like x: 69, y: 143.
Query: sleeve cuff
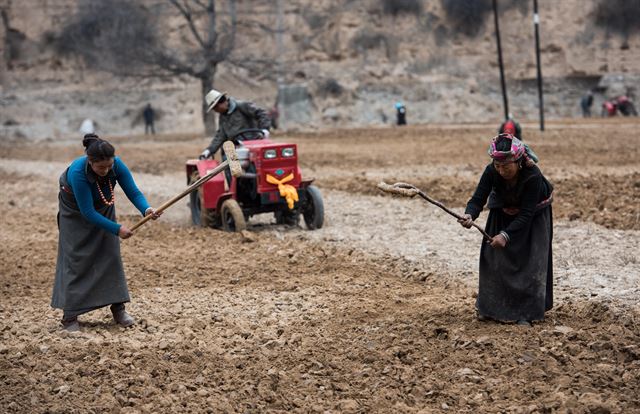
x: 506, y: 236
x: 473, y: 213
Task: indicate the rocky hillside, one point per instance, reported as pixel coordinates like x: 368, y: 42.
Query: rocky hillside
x: 348, y: 62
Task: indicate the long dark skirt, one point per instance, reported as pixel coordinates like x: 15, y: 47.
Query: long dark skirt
x: 516, y: 283
x: 89, y: 272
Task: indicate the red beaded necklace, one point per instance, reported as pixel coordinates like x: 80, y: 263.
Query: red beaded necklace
x: 104, y: 199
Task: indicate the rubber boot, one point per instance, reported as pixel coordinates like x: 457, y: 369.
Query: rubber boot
x: 71, y: 324
x: 121, y: 316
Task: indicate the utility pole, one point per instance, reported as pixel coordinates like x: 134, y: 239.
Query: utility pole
x: 502, y: 82
x: 279, y: 58
x: 536, y: 23
x: 279, y: 42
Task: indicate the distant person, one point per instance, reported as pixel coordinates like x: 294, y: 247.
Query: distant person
x: 88, y: 127
x: 511, y: 126
x: 625, y: 106
x: 609, y: 108
x: 585, y: 103
x: 149, y: 118
x: 401, y: 114
x: 89, y: 272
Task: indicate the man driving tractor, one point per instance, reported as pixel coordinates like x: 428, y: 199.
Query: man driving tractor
x: 235, y: 116
x: 271, y: 181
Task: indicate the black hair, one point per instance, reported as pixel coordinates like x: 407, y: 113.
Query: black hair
x: 222, y: 99
x: 503, y: 144
x: 97, y: 149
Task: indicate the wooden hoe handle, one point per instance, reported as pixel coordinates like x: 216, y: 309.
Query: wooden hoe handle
x: 408, y: 190
x: 231, y: 162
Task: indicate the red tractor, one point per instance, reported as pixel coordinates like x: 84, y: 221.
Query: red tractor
x: 271, y: 183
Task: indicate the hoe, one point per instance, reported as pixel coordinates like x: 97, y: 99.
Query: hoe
x: 231, y: 162
x: 408, y: 190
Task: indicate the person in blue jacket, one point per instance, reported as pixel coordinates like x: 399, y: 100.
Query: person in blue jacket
x: 401, y: 114
x: 89, y: 272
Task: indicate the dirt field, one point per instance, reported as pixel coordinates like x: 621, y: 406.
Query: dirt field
x: 373, y: 313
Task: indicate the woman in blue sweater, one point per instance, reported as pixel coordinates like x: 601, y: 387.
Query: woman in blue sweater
x: 89, y: 272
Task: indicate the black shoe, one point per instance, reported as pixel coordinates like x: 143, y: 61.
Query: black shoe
x: 482, y: 318
x: 522, y: 322
x: 71, y: 325
x: 122, y: 318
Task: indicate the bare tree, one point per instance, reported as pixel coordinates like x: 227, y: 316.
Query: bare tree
x: 468, y: 17
x: 123, y: 37
x: 618, y: 16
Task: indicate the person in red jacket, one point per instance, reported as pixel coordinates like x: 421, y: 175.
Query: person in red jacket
x: 511, y: 126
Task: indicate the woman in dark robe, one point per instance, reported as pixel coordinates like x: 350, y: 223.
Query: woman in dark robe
x: 89, y: 272
x: 516, y: 272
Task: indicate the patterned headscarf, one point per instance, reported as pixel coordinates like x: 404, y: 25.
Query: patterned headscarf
x: 516, y: 152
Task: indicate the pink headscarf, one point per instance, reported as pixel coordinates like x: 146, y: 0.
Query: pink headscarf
x: 516, y: 152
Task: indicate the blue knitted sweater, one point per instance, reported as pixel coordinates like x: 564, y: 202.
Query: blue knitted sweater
x: 84, y: 184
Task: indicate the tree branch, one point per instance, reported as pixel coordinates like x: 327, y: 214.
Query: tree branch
x: 260, y: 25
x: 230, y: 44
x: 201, y: 4
x: 174, y: 65
x: 186, y: 13
x: 213, y: 29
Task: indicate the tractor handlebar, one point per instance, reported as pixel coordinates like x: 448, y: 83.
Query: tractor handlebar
x: 240, y: 135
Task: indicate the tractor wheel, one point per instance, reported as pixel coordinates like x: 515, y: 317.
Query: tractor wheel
x: 313, y: 209
x: 287, y: 217
x: 200, y: 216
x: 232, y: 216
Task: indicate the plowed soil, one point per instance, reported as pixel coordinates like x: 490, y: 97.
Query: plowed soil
x: 372, y: 313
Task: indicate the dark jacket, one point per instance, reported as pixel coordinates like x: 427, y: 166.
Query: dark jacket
x: 241, y: 115
x: 148, y: 114
x: 531, y: 189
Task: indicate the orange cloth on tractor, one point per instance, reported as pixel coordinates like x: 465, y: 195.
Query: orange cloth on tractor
x: 287, y: 191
